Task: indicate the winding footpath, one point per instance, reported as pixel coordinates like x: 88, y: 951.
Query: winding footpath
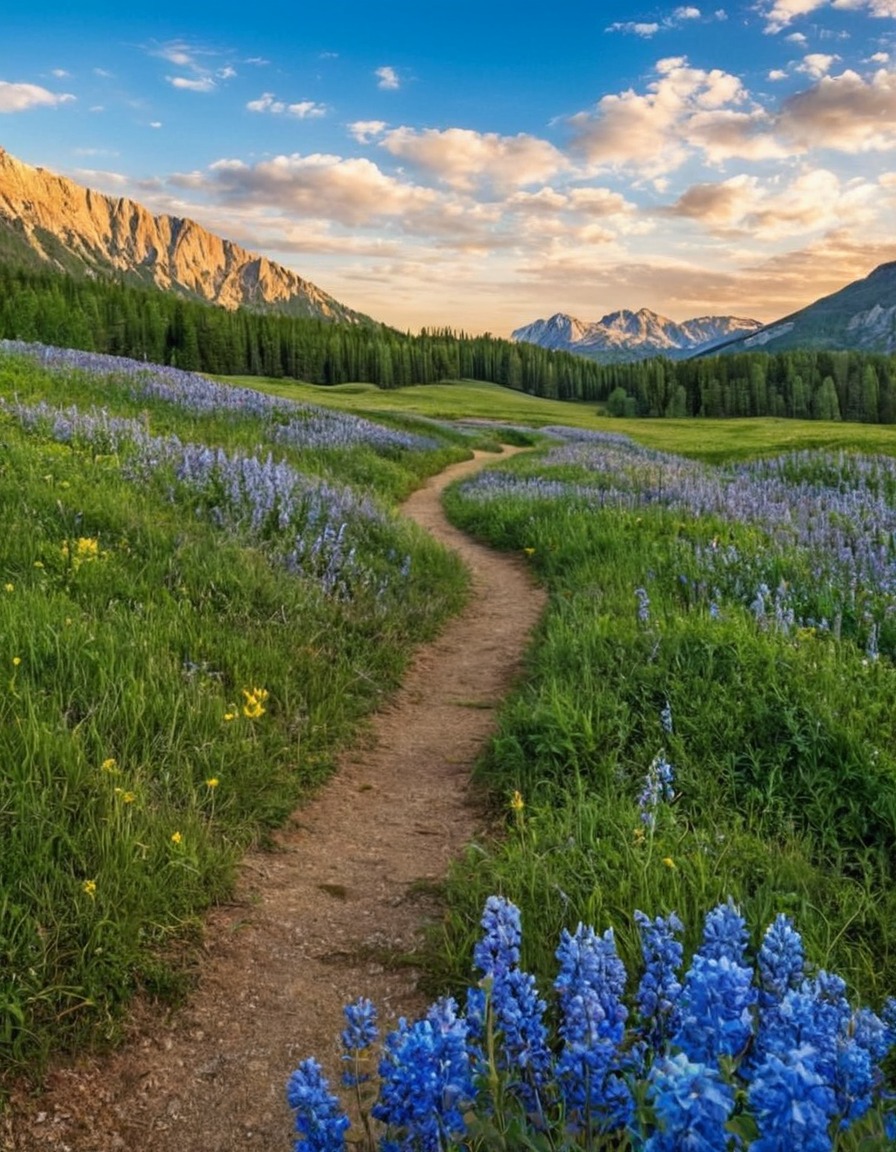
x: 346, y: 884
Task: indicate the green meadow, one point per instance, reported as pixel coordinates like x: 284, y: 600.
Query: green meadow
x: 199, y: 605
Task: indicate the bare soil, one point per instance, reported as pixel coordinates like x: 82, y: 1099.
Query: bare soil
x: 312, y: 920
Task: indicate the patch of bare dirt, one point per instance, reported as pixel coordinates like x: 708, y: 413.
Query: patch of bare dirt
x: 308, y: 927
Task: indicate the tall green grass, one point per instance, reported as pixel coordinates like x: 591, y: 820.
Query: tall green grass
x: 168, y: 694
x: 783, y: 748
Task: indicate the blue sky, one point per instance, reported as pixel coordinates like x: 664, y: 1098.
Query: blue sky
x: 480, y: 165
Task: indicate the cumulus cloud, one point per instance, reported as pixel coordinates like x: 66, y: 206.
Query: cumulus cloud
x: 20, y: 97
x: 350, y: 191
x: 462, y: 158
x: 816, y: 200
x: 651, y: 130
x: 366, y: 130
x: 817, y: 64
x: 777, y: 74
x: 686, y: 13
x: 845, y: 112
x: 782, y: 13
x: 387, y: 78
x: 303, y: 110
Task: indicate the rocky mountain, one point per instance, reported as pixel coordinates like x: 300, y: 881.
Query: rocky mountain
x: 861, y: 316
x: 633, y: 335
x: 50, y: 220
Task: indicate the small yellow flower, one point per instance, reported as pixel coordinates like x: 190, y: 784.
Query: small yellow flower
x: 16, y: 661
x: 228, y: 716
x: 38, y: 563
x: 128, y: 797
x: 9, y: 587
x: 638, y: 833
x: 176, y: 837
x: 212, y: 782
x: 529, y: 551
x: 89, y: 887
x: 110, y: 764
x: 87, y: 548
x: 670, y: 863
x: 516, y: 801
x: 254, y: 706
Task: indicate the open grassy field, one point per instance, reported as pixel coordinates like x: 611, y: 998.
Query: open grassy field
x: 712, y: 440
x: 204, y: 590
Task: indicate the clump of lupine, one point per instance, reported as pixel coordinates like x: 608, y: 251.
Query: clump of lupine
x: 313, y: 527
x: 286, y: 421
x: 826, y: 558
x: 762, y: 1056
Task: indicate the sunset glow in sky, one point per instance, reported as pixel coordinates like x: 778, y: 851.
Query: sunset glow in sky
x: 480, y: 165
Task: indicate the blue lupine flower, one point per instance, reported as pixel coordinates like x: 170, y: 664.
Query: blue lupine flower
x: 660, y: 989
x: 517, y: 1011
x: 780, y: 960
x: 320, y: 1120
x: 692, y: 1105
x: 498, y: 951
x: 358, y: 1035
x: 725, y: 934
x: 657, y: 789
x: 425, y: 1081
x: 791, y: 1103
x: 592, y: 1025
x: 666, y: 718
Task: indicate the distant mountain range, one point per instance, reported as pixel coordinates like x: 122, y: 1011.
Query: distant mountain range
x: 48, y: 220
x: 861, y: 316
x: 634, y: 335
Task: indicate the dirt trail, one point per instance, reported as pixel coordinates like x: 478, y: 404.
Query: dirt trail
x: 297, y: 943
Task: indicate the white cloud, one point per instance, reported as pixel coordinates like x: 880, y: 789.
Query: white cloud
x: 635, y: 27
x: 817, y: 64
x: 815, y: 200
x: 20, y: 97
x: 203, y: 84
x: 686, y: 13
x: 461, y: 157
x: 226, y: 73
x: 155, y: 123
x: 388, y: 78
x: 782, y: 13
x: 844, y: 112
x: 352, y: 192
x: 303, y: 110
x: 777, y: 74
x: 364, y: 131
x: 651, y: 131
x: 60, y: 73
x: 880, y: 58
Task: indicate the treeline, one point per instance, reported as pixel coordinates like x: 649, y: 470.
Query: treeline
x: 106, y: 316
x: 807, y: 385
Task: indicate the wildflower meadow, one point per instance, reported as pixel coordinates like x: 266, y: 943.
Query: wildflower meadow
x: 195, y: 612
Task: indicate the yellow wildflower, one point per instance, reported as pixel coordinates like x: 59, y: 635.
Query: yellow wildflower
x: 516, y: 801
x: 38, y: 563
x: 16, y: 661
x: 109, y: 764
x: 670, y: 863
x: 254, y: 706
x: 228, y: 716
x: 128, y: 797
x: 212, y: 782
x: 9, y: 587
x: 89, y: 887
x: 176, y: 837
x: 529, y: 551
